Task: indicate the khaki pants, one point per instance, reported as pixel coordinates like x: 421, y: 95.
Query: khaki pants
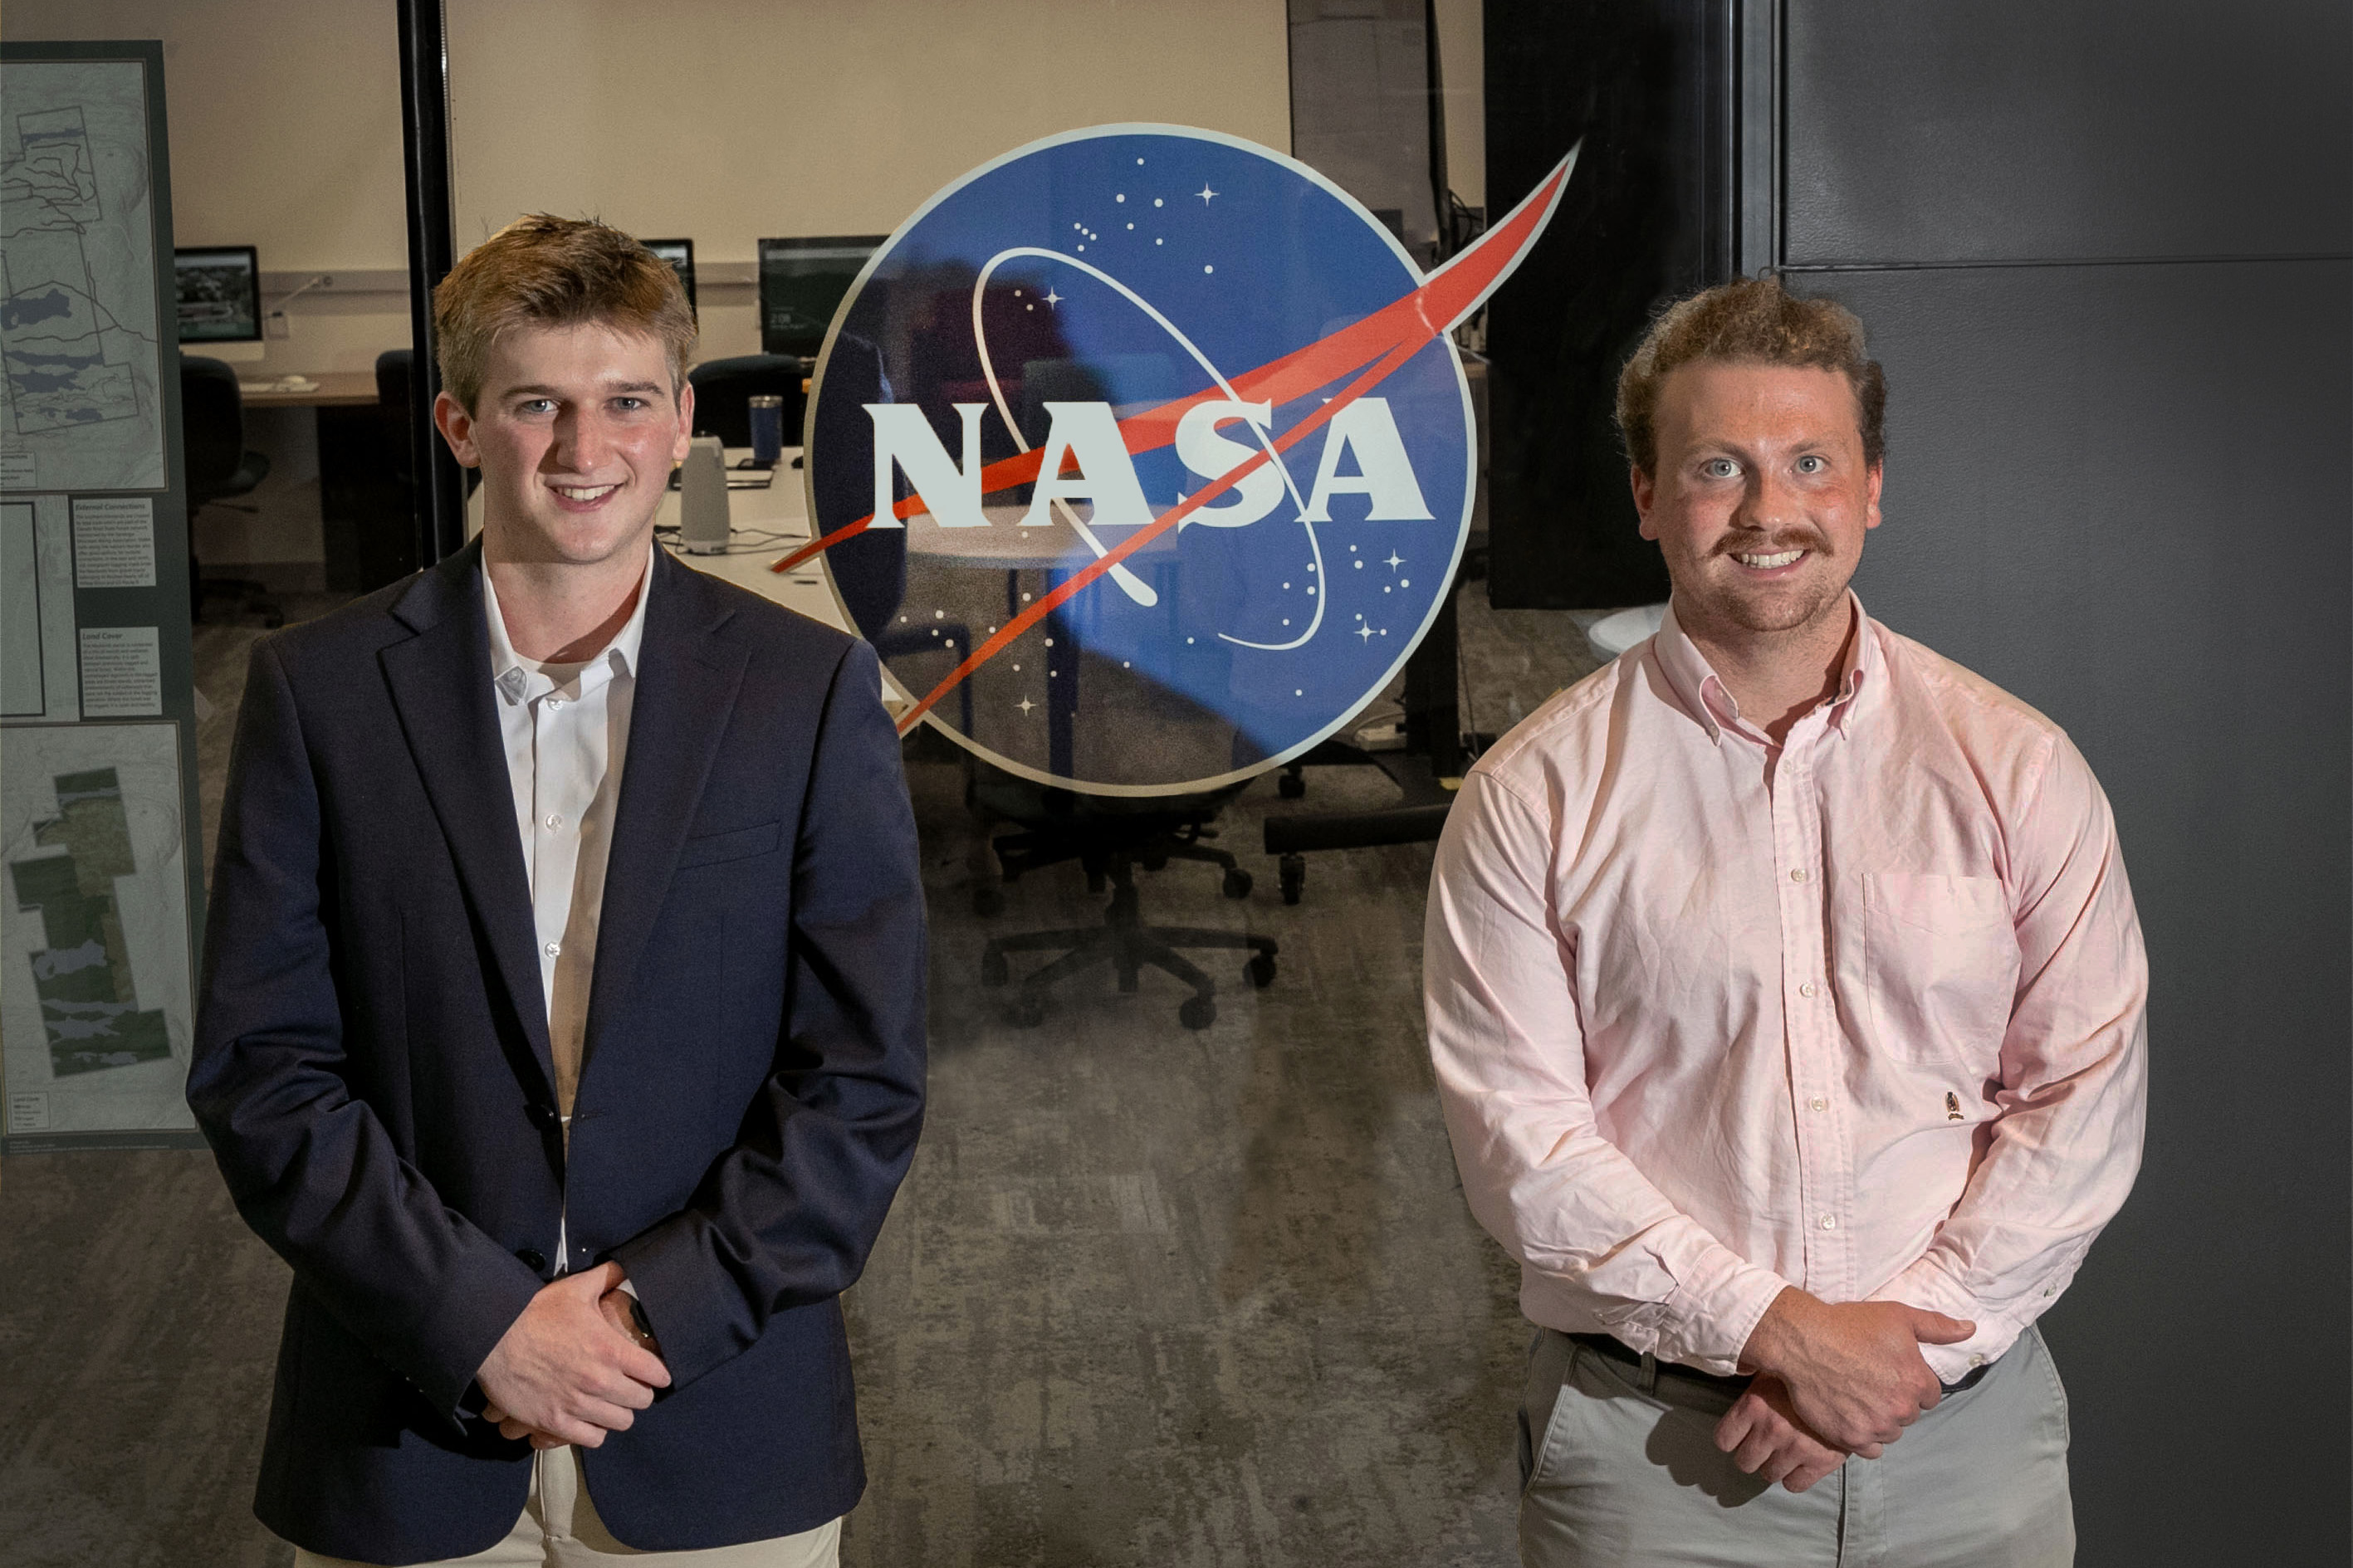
x: 559, y: 1528
x: 1620, y: 1475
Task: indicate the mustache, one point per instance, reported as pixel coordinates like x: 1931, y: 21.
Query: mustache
x: 1775, y: 543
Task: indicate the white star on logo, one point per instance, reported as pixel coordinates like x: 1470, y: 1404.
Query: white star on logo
x: 1366, y: 633
x: 1395, y: 561
x: 1204, y: 193
x: 1025, y: 705
x: 1052, y: 298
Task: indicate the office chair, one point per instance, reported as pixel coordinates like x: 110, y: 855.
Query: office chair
x: 723, y: 390
x: 1110, y: 836
x: 218, y: 468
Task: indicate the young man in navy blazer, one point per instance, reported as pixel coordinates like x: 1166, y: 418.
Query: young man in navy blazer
x: 563, y: 1010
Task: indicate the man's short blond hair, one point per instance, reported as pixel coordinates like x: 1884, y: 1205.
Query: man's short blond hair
x: 1750, y: 320
x: 554, y: 272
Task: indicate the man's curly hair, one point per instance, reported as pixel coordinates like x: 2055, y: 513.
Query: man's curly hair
x: 1750, y: 320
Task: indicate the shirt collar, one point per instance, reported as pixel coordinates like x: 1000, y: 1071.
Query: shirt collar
x: 519, y: 679
x: 1702, y: 693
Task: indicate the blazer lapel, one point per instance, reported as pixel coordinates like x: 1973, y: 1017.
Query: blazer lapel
x: 685, y: 690
x: 441, y: 682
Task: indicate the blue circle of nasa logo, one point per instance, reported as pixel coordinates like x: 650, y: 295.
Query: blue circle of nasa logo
x: 1142, y: 457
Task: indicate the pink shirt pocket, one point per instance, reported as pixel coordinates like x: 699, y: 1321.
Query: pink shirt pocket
x: 1941, y: 962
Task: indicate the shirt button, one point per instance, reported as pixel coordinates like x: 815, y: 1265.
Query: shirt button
x: 1798, y: 875
x: 1830, y: 1222
x: 1818, y: 1103
x: 554, y: 948
x: 1805, y: 990
x: 1976, y: 1361
x: 555, y: 702
x: 554, y: 819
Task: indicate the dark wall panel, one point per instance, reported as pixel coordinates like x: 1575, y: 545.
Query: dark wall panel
x: 2010, y: 129
x: 2121, y: 493
x: 1647, y: 217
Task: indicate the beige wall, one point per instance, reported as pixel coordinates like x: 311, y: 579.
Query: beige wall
x: 727, y: 119
x: 723, y: 121
x: 1462, y: 54
x: 719, y: 120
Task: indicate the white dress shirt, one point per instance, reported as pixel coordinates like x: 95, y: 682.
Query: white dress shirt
x: 1860, y: 1012
x: 567, y: 730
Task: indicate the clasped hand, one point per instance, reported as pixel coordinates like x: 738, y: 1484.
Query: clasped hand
x: 1832, y: 1381
x: 573, y: 1367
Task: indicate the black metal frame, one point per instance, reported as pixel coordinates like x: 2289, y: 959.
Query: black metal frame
x: 432, y: 251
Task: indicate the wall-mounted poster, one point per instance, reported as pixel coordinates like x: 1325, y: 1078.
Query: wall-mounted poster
x: 95, y: 1010
x: 101, y: 895
x: 81, y: 403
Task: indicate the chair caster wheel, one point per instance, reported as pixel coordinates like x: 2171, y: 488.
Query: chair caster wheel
x: 1295, y: 878
x: 994, y: 969
x: 1261, y: 970
x: 987, y: 901
x: 1024, y: 1012
x: 1291, y: 786
x: 1197, y: 1013
x: 1238, y: 883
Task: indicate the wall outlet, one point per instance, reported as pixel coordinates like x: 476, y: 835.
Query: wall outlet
x: 275, y: 325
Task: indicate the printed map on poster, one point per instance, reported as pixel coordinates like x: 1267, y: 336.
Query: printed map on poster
x: 79, y: 400
x: 95, y: 1000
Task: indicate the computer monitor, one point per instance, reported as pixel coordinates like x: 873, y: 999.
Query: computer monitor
x: 801, y: 284
x: 219, y: 292
x: 679, y: 253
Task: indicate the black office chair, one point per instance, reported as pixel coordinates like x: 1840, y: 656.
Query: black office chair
x: 219, y: 468
x: 723, y: 390
x: 1110, y: 836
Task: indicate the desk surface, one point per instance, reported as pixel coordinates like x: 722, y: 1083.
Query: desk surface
x: 766, y: 525
x: 334, y: 389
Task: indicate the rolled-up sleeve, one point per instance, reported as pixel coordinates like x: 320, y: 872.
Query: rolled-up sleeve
x: 1601, y: 1247
x: 2066, y: 1145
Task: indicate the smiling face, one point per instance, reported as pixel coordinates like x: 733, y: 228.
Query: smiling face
x: 576, y: 431
x: 1760, y: 497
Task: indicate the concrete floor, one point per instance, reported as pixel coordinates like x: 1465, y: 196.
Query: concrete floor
x: 1148, y: 1296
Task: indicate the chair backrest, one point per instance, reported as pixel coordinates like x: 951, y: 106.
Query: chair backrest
x: 394, y: 367
x: 212, y: 425
x: 723, y: 389
x: 870, y: 570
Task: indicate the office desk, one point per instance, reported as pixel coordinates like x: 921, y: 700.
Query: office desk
x: 365, y: 538
x: 335, y: 389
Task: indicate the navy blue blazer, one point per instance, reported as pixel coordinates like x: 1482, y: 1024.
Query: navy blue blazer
x: 373, y: 1070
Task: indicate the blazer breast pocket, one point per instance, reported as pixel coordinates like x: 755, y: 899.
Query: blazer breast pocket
x: 1941, y: 969
x: 713, y: 848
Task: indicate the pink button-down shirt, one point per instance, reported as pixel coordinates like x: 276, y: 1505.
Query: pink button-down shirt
x: 1862, y: 1013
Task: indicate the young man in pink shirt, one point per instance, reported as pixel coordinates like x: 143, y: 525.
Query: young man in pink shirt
x: 1786, y: 997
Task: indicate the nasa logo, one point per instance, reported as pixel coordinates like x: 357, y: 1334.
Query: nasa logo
x: 1143, y: 456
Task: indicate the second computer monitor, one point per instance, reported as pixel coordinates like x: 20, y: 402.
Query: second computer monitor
x: 802, y: 281
x: 220, y: 289
x: 679, y: 253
